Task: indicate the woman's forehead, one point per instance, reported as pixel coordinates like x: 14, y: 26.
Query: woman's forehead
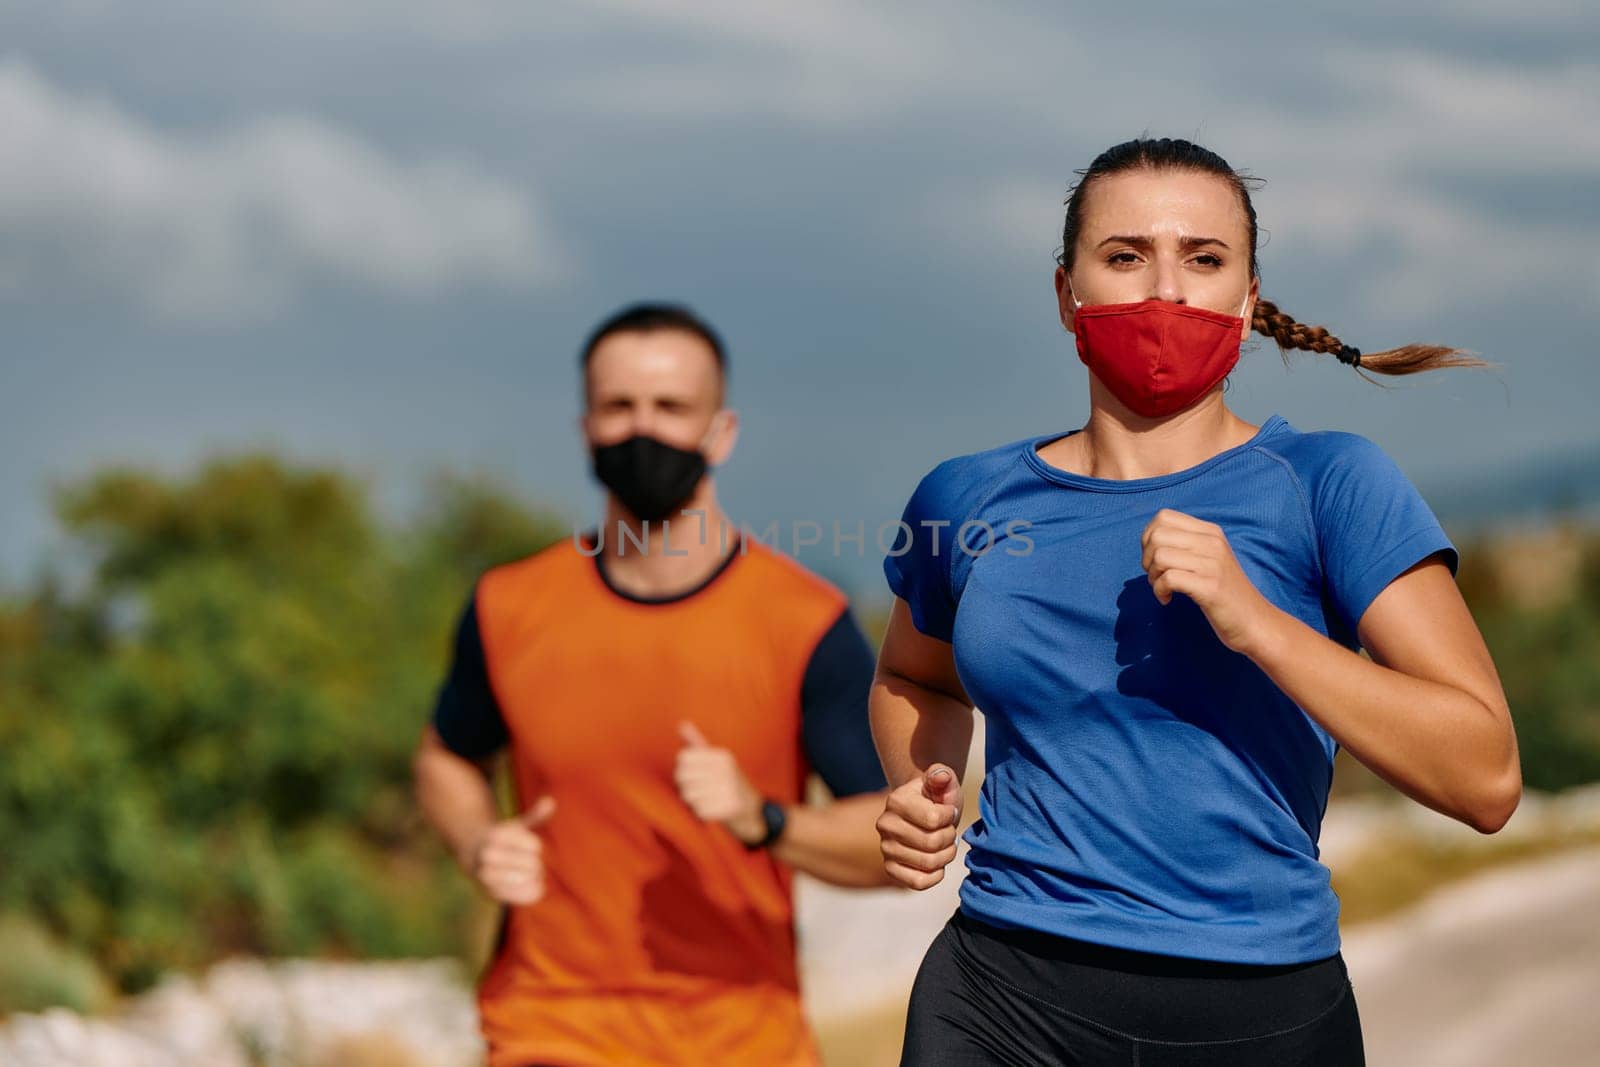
x: 1166, y: 202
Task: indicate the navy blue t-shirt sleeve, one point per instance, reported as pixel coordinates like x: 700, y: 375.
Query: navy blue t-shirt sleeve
x: 918, y: 565
x: 466, y: 714
x: 1372, y: 526
x: 833, y: 711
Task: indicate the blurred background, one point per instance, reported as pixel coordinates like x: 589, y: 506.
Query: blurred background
x: 292, y: 297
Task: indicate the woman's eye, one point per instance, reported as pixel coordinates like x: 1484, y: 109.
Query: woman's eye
x: 1208, y: 260
x: 1123, y: 257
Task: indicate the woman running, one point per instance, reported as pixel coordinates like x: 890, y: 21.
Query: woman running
x: 1160, y: 616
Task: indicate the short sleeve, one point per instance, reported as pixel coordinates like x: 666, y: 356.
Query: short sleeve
x: 1372, y: 526
x: 835, y: 732
x: 466, y: 715
x: 918, y: 565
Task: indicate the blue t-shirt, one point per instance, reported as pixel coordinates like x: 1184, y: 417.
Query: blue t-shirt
x: 1147, y: 787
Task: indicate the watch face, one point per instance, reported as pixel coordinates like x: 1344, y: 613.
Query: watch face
x: 772, y: 812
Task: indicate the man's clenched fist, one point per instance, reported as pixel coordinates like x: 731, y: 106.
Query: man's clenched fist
x: 507, y: 859
x: 710, y: 782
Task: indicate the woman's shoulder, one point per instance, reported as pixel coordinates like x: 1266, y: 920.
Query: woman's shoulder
x: 1318, y: 456
x: 1344, y: 475
x: 957, y: 484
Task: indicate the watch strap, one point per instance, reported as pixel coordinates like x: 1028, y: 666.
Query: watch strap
x: 772, y: 814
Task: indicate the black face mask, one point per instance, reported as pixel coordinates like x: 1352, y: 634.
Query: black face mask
x: 651, y: 478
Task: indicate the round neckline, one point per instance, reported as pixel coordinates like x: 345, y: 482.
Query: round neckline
x: 736, y: 548
x: 1055, y: 474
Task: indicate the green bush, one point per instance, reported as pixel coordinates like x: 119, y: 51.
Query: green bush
x: 1549, y: 661
x: 38, y: 972
x: 205, y: 745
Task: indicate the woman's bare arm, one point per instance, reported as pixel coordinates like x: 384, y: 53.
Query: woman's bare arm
x: 1426, y: 713
x: 922, y: 727
x: 920, y: 713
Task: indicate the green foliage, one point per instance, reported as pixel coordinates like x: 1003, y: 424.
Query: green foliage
x: 1548, y: 656
x: 1550, y: 665
x: 1547, y: 650
x: 206, y: 748
x: 38, y: 972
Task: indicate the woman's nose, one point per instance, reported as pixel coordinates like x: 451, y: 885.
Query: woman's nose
x: 1168, y: 282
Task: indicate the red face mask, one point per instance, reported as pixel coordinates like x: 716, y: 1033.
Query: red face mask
x: 1155, y: 356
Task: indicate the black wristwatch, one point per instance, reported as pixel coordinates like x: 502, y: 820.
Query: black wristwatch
x: 772, y: 815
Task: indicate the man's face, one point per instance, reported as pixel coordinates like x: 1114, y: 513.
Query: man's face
x: 660, y: 383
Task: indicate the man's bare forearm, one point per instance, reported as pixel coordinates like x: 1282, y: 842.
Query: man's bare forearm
x: 837, y: 842
x: 455, y: 795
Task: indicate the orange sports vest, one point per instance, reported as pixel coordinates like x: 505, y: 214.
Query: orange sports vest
x: 660, y: 939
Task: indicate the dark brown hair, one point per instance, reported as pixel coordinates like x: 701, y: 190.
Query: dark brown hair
x: 647, y: 318
x: 1170, y: 153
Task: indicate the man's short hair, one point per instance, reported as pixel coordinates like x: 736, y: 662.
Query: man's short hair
x: 647, y: 317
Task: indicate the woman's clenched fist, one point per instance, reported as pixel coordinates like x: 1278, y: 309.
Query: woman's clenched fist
x: 917, y: 830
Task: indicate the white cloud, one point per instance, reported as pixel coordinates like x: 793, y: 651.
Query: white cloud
x: 1019, y: 213
x: 1437, y: 110
x: 827, y: 62
x: 1433, y: 253
x: 1390, y: 177
x: 831, y: 29
x: 1365, y: 153
x: 1527, y: 15
x: 235, y: 225
x: 822, y: 62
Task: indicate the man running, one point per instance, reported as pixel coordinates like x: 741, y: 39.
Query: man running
x: 663, y: 688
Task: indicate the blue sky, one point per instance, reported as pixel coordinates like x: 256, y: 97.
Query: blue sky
x: 374, y: 233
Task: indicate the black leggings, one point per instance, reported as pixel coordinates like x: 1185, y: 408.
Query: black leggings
x: 986, y: 995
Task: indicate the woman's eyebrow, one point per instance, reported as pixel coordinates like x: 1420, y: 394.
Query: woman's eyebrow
x: 1143, y: 241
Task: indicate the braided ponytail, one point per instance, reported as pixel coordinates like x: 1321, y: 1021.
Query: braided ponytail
x: 1177, y: 154
x: 1407, y: 359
